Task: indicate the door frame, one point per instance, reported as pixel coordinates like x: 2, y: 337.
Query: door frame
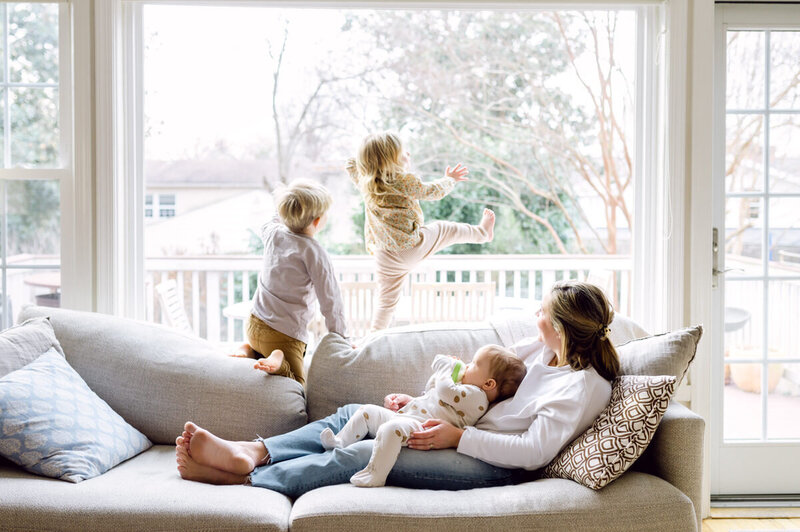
x: 743, y: 16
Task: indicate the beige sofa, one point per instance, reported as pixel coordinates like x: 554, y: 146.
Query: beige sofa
x: 156, y: 378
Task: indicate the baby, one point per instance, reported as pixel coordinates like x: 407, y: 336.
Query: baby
x: 456, y: 392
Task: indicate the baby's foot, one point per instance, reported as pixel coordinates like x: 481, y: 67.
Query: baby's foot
x: 487, y: 224
x: 329, y: 440
x: 209, y: 450
x: 366, y: 479
x: 272, y: 363
x: 189, y: 469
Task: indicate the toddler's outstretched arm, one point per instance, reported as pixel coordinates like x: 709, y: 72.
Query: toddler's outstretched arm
x: 459, y: 173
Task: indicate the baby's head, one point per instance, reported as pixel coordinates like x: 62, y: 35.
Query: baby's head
x: 380, y: 156
x: 302, y: 204
x: 496, y: 370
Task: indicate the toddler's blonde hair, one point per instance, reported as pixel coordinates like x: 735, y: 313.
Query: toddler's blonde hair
x: 302, y: 202
x: 378, y: 161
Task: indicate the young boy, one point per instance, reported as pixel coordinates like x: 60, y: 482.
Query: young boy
x: 296, y: 268
x: 457, y: 393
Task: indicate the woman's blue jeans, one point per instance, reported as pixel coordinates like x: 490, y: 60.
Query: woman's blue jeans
x: 299, y: 463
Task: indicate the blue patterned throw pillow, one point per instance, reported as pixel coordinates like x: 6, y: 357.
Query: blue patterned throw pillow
x: 52, y: 424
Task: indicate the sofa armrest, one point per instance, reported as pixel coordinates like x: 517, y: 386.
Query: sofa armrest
x: 676, y: 453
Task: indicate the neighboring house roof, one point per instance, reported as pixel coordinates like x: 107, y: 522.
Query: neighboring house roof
x: 212, y: 173
x: 217, y: 229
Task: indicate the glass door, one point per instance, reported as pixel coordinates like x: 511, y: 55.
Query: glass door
x: 756, y: 424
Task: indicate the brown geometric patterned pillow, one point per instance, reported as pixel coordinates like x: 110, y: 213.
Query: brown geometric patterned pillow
x: 619, y: 435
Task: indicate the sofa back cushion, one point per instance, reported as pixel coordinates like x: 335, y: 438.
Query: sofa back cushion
x: 399, y: 359
x: 157, y: 378
x: 394, y: 360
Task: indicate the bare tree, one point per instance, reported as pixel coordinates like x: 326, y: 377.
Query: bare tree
x: 490, y: 99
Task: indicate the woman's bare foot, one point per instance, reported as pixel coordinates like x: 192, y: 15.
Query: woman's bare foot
x: 189, y: 469
x: 487, y: 224
x: 244, y: 351
x: 272, y: 363
x: 238, y: 457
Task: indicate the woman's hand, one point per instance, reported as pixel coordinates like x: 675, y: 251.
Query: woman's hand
x: 459, y: 173
x: 396, y: 401
x: 438, y: 434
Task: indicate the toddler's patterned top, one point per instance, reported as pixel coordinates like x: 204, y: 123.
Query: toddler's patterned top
x: 446, y: 397
x: 394, y: 218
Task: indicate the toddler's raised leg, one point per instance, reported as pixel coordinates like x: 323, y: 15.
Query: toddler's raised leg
x: 364, y: 422
x: 391, y: 437
x: 441, y: 234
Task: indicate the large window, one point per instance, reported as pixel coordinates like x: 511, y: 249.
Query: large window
x: 33, y: 155
x: 543, y: 106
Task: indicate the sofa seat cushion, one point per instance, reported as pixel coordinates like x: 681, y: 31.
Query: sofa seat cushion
x: 144, y: 493
x: 635, y: 502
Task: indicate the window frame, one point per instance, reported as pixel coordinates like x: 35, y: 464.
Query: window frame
x: 62, y: 172
x: 658, y: 234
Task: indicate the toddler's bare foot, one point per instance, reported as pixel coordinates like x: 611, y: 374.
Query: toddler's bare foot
x: 272, y: 363
x: 244, y: 351
x: 189, y: 469
x: 487, y: 224
x: 233, y: 457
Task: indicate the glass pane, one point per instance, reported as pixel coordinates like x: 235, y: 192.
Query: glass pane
x: 3, y: 8
x: 33, y: 43
x: 784, y: 77
x: 743, y: 319
x: 783, y: 401
x: 2, y: 126
x: 34, y: 222
x: 784, y: 236
x: 745, y: 78
x: 743, y: 234
x: 34, y: 126
x: 744, y: 153
x: 784, y: 153
x: 742, y: 402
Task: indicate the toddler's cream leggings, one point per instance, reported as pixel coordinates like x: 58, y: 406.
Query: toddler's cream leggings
x: 392, y: 268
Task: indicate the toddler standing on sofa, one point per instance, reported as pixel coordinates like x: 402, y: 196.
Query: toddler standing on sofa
x: 295, y: 269
x: 394, y: 230
x: 457, y: 393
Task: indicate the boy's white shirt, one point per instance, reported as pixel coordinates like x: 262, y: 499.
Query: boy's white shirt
x: 446, y: 399
x: 295, y: 270
x: 552, y: 406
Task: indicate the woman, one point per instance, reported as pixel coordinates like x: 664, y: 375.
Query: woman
x: 570, y: 366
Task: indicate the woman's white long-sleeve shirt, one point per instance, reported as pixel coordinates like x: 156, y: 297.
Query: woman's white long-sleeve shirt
x: 552, y: 407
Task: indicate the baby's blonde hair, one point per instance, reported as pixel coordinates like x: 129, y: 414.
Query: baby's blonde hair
x: 506, y: 368
x: 302, y: 202
x: 378, y: 161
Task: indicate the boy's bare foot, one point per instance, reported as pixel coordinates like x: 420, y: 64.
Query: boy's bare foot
x: 272, y: 363
x: 487, y: 224
x: 189, y: 469
x: 244, y: 351
x: 239, y: 457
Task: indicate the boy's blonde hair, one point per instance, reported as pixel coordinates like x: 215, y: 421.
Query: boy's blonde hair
x: 378, y: 161
x: 506, y: 368
x: 582, y: 315
x: 302, y: 202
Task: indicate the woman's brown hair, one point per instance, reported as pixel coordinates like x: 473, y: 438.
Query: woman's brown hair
x: 581, y: 315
